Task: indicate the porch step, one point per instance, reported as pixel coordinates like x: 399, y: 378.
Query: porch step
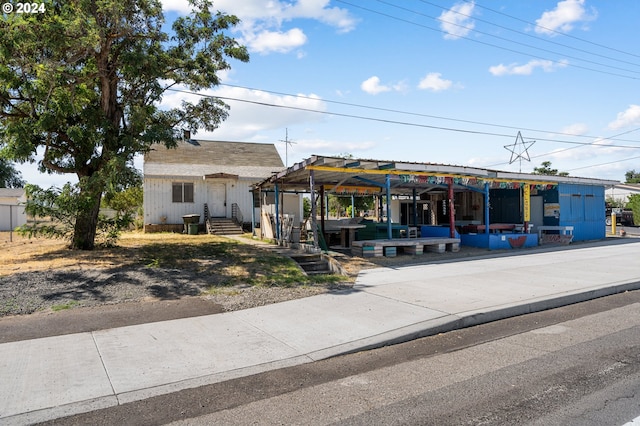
x: 224, y: 226
x: 312, y: 264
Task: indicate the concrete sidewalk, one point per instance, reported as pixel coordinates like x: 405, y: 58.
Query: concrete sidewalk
x: 52, y: 377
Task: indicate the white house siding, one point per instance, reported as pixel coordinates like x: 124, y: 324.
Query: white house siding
x: 158, y: 203
x: 12, y: 212
x: 622, y: 192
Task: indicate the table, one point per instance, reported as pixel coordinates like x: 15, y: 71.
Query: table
x: 348, y: 234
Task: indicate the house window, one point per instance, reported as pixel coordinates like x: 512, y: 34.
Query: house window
x: 182, y: 192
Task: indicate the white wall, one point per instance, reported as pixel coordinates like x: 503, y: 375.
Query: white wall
x: 292, y: 205
x: 620, y: 194
x: 11, y: 216
x: 157, y: 199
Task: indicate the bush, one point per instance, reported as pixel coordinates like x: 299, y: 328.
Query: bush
x: 634, y: 205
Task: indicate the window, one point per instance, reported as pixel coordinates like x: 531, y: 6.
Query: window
x: 182, y: 192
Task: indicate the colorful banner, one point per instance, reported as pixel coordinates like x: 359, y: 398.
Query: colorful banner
x: 526, y: 202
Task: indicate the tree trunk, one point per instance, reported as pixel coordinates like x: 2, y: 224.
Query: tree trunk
x: 84, y: 233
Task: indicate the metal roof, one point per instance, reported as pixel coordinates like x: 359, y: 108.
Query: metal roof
x: 362, y: 176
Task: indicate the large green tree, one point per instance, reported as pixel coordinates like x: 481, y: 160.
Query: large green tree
x: 82, y: 80
x: 9, y: 176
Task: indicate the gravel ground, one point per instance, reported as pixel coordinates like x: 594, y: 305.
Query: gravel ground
x: 29, y: 292
x: 36, y: 291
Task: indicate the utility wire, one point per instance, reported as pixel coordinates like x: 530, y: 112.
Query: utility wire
x: 604, y: 164
x: 382, y: 120
x: 489, y: 44
x: 416, y: 114
x: 529, y: 35
x: 593, y: 144
x: 506, y: 39
x: 555, y: 31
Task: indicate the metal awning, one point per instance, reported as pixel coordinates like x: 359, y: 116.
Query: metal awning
x: 347, y: 176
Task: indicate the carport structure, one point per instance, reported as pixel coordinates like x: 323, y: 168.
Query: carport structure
x: 481, y: 203
x: 410, y: 181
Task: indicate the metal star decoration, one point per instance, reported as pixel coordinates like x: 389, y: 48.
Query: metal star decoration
x: 519, y: 150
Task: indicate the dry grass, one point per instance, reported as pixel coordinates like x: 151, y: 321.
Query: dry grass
x: 227, y: 261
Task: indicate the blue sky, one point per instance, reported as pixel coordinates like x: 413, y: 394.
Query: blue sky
x: 435, y: 81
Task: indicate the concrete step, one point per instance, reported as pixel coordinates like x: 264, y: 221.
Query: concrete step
x: 313, y: 266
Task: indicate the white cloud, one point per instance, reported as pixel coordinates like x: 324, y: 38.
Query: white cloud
x: 457, y: 22
x: 261, y: 27
x: 248, y: 119
x: 575, y: 129
x: 372, y: 86
x: 275, y: 41
x: 629, y: 117
x: 563, y: 17
x: 319, y: 10
x: 434, y: 82
x: 528, y: 68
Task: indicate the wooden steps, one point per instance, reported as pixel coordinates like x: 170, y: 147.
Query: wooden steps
x: 224, y: 226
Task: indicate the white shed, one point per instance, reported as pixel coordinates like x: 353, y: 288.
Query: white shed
x: 178, y: 182
x: 12, y: 212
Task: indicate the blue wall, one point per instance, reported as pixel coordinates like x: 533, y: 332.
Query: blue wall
x: 582, y: 206
x: 499, y: 241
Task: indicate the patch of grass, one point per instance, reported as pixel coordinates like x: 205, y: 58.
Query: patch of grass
x: 8, y: 306
x: 62, y: 307
x: 214, y: 291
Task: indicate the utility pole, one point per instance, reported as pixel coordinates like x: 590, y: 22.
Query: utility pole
x: 287, y: 142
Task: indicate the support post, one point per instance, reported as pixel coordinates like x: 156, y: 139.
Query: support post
x: 415, y: 208
x: 322, y: 203
x: 253, y: 212
x: 11, y: 224
x: 486, y: 212
x: 452, y: 217
x: 353, y: 207
x: 314, y: 219
x: 388, y: 189
x: 277, y: 214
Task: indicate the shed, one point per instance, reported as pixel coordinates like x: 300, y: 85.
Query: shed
x: 12, y: 213
x: 180, y: 181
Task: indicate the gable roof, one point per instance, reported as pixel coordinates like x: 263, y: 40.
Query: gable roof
x: 217, y: 152
x: 203, y: 158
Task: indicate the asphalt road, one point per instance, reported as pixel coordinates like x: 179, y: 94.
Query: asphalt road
x: 578, y: 365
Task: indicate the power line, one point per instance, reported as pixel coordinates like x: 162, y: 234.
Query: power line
x: 556, y: 32
x: 506, y: 39
x: 531, y: 35
x: 494, y: 45
x: 382, y: 120
x: 596, y: 144
x: 604, y: 164
x: 417, y: 114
